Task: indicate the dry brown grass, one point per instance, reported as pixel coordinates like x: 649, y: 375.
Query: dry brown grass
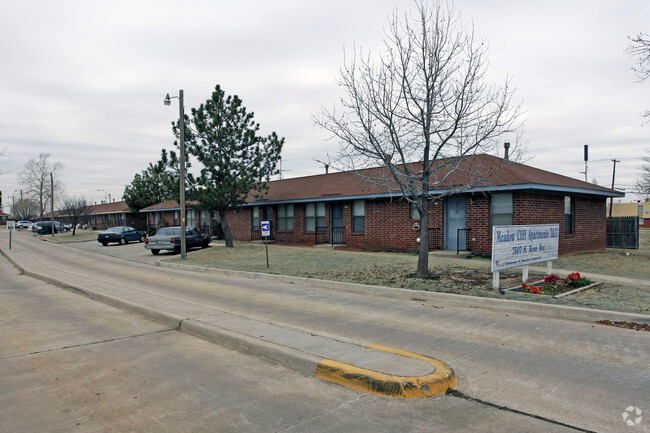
x: 467, y: 277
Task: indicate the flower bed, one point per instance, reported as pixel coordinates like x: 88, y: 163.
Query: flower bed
x: 555, y: 286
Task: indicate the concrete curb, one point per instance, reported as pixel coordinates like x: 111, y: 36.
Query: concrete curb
x: 343, y: 374
x: 509, y: 305
x: 165, y: 318
x: 438, y: 382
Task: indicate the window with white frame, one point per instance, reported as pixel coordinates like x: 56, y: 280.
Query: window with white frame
x: 314, y: 217
x: 358, y: 216
x: 204, y: 218
x: 255, y: 218
x: 501, y: 209
x: 415, y: 215
x: 569, y: 212
x: 285, y: 218
x: 189, y: 217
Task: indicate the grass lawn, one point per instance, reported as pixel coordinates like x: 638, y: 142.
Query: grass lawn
x: 624, y: 263
x: 461, y: 276
x: 64, y: 238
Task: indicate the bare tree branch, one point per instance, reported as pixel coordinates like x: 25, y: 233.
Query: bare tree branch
x: 421, y: 111
x: 35, y: 180
x: 640, y: 48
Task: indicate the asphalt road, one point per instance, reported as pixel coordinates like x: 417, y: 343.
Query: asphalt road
x: 576, y: 373
x: 70, y: 364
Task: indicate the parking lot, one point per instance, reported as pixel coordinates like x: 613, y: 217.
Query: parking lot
x: 131, y: 251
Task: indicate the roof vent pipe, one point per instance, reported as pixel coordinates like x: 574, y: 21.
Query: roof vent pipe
x: 327, y: 168
x: 506, y: 146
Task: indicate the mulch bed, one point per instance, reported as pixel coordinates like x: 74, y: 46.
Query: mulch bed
x: 628, y: 325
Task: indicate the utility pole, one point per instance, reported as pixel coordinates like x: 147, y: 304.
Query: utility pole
x: 611, y: 200
x: 181, y: 125
x: 52, y: 201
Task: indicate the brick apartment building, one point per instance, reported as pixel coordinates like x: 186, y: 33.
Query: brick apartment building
x: 343, y: 208
x: 167, y: 214
x: 104, y: 215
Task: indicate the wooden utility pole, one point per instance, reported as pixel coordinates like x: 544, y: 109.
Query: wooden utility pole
x: 611, y: 200
x: 52, y: 202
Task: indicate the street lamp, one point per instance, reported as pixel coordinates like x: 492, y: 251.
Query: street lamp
x: 107, y: 193
x: 168, y: 101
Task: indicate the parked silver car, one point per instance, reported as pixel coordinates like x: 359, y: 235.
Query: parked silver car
x: 169, y: 238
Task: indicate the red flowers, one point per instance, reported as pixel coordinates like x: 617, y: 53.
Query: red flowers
x: 573, y: 277
x: 532, y: 289
x: 552, y: 278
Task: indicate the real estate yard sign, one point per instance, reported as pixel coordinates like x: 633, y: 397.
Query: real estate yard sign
x: 514, y: 246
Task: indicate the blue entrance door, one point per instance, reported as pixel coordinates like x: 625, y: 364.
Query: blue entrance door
x: 455, y: 218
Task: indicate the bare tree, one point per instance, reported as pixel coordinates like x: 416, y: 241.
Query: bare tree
x: 643, y: 181
x: 35, y: 180
x: 24, y: 209
x: 422, y: 109
x: 2, y: 153
x: 640, y: 48
x: 75, y: 209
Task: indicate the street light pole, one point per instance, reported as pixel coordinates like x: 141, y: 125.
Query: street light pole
x: 52, y: 202
x: 182, y: 168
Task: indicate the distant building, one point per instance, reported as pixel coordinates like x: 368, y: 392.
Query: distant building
x: 167, y: 214
x: 640, y: 209
x: 3, y: 218
x: 105, y: 215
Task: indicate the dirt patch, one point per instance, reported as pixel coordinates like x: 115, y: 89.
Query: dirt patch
x: 628, y: 325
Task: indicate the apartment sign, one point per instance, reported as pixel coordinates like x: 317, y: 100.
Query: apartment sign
x: 514, y: 246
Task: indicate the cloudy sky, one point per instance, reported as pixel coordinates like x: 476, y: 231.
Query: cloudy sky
x: 85, y: 80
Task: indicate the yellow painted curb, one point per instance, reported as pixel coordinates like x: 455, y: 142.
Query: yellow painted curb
x: 375, y: 382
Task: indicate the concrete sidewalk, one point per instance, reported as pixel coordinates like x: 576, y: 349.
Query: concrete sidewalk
x: 371, y: 368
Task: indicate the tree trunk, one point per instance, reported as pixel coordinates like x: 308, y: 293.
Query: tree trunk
x: 423, y: 255
x: 227, y: 235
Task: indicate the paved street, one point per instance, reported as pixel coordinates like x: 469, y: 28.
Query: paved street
x: 576, y: 373
x: 71, y: 364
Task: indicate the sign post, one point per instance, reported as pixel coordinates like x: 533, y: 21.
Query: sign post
x: 266, y: 232
x: 515, y: 246
x: 11, y: 226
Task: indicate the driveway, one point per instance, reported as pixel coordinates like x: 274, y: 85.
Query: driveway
x: 134, y: 251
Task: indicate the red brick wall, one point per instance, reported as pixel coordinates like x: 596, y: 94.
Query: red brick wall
x: 529, y: 208
x: 388, y: 225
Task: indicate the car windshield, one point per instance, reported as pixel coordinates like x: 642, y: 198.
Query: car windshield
x: 169, y: 231
x: 114, y: 230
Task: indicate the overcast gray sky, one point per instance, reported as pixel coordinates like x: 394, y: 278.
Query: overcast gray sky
x: 85, y: 80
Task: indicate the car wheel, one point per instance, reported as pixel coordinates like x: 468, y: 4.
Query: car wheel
x: 122, y: 241
x: 205, y: 244
x: 104, y: 243
x: 155, y: 252
x: 142, y: 238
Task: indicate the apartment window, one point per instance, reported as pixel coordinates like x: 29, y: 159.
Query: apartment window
x: 315, y: 217
x: 175, y: 222
x: 255, y: 218
x: 569, y: 212
x: 285, y: 218
x: 358, y: 216
x: 415, y: 215
x: 501, y: 209
x: 189, y: 218
x: 204, y: 218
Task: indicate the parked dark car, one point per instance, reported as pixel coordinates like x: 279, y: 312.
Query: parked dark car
x: 121, y: 235
x: 169, y: 238
x: 45, y: 227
